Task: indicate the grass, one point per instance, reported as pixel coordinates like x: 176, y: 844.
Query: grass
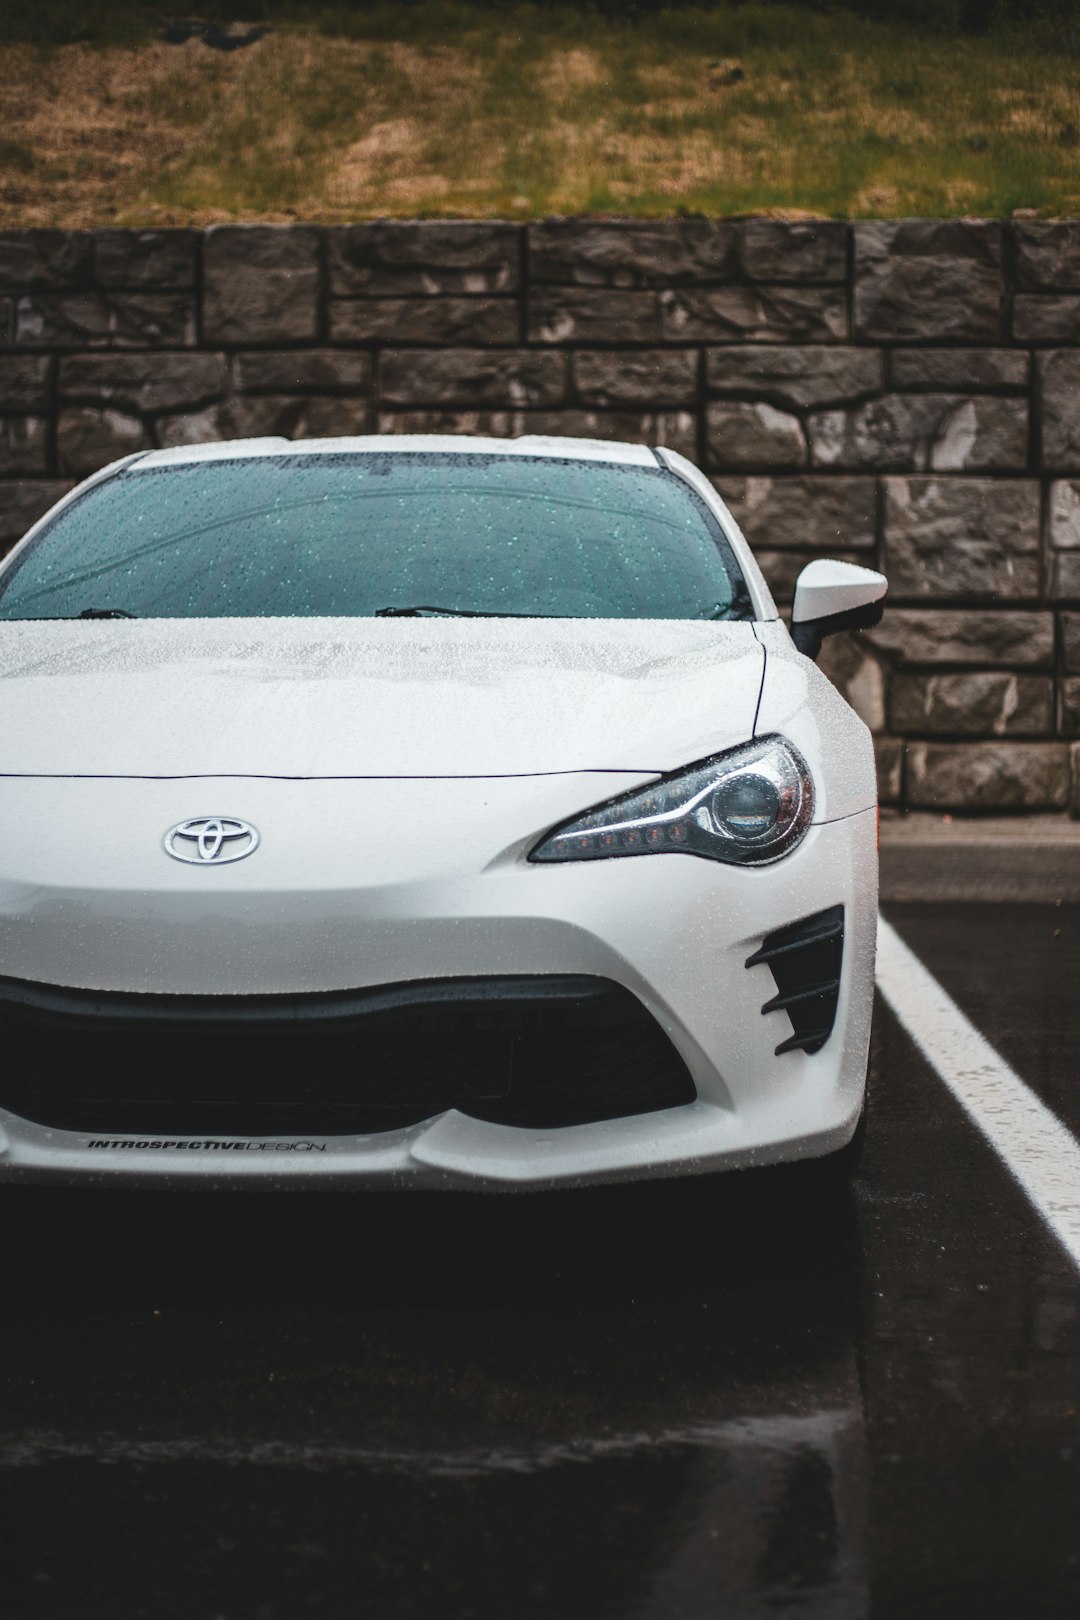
x: 452, y: 109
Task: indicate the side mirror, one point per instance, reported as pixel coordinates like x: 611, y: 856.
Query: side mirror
x: 833, y: 596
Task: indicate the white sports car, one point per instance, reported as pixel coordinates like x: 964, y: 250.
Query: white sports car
x: 434, y: 812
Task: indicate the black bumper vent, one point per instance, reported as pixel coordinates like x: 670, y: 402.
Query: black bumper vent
x: 805, y: 960
x: 540, y: 1052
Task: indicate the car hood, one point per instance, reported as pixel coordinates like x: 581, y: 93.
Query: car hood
x: 371, y: 697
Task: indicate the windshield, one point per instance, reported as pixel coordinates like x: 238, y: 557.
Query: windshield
x: 367, y: 533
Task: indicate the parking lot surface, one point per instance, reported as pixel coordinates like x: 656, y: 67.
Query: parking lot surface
x: 734, y: 1396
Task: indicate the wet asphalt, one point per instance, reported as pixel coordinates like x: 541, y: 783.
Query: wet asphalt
x: 750, y: 1395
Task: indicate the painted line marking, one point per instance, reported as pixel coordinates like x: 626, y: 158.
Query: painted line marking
x: 1037, y: 1149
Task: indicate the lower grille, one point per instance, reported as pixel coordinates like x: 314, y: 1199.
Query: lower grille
x: 805, y: 959
x: 541, y: 1052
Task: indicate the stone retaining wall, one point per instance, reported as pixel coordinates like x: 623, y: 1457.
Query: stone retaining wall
x: 906, y: 394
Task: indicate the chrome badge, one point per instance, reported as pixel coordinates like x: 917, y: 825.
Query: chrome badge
x: 210, y: 840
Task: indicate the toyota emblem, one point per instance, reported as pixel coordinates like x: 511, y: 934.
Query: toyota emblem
x: 210, y: 840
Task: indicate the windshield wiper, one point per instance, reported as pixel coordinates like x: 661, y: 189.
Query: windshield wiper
x: 67, y: 618
x: 447, y: 613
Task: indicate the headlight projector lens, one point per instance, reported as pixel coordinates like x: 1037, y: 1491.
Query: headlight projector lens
x: 747, y: 806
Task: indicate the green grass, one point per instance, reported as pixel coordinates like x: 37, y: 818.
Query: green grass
x: 509, y: 109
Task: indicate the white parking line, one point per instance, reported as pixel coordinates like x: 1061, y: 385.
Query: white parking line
x: 1037, y: 1149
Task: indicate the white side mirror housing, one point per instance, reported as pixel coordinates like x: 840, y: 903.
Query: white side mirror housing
x: 833, y: 596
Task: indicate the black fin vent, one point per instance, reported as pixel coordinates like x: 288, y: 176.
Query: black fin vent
x: 805, y: 959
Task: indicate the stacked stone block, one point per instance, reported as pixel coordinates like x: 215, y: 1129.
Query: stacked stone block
x: 904, y: 394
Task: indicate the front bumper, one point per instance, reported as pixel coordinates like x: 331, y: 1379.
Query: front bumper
x: 674, y: 930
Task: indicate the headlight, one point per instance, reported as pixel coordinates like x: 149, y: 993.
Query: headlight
x: 745, y: 807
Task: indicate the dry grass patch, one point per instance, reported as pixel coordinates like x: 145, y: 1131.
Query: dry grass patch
x: 443, y: 109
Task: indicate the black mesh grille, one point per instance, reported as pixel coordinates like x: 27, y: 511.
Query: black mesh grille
x: 805, y: 959
x: 540, y: 1052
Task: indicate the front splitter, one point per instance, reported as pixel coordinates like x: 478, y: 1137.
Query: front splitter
x: 451, y: 1151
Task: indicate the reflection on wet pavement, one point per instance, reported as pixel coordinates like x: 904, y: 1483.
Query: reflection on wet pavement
x: 586, y: 1405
